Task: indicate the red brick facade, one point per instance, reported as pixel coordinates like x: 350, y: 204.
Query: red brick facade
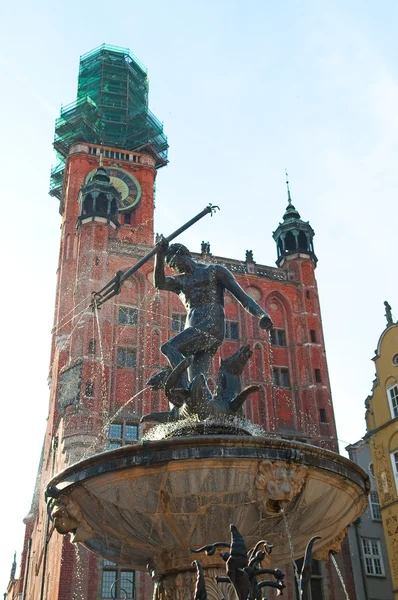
x: 90, y: 254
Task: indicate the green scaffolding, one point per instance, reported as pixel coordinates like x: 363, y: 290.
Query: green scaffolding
x: 111, y: 108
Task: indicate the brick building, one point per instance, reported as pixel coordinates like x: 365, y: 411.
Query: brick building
x: 110, y: 148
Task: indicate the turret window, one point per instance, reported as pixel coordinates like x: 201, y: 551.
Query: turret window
x: 290, y: 242
x: 392, y: 393
x: 88, y: 205
x: 313, y: 336
x: 322, y: 415
x: 318, y: 377
x: 302, y: 241
x: 101, y: 204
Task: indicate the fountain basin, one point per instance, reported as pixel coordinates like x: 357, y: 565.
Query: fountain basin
x: 147, y: 504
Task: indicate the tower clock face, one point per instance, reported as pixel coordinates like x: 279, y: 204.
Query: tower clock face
x: 128, y: 187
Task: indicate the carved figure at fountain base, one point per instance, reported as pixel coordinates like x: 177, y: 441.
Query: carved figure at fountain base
x: 196, y: 401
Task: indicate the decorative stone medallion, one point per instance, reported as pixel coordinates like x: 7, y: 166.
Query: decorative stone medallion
x: 278, y: 483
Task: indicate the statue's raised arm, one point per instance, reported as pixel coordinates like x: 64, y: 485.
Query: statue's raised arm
x: 160, y: 281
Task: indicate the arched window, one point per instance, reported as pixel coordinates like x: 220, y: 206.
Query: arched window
x: 290, y: 242
x: 302, y: 241
x: 89, y: 390
x: 88, y: 205
x: 101, y: 204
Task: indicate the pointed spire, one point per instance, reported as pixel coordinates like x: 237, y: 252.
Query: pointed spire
x: 288, y: 189
x: 13, y: 567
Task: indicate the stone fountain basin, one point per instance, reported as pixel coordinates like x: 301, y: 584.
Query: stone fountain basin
x: 147, y: 504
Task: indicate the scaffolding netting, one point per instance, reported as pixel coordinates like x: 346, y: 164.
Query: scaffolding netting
x: 111, y: 109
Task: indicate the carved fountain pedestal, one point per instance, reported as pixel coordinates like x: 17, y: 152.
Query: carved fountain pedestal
x: 146, y: 505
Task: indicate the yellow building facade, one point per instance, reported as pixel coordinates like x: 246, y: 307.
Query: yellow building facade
x: 382, y: 433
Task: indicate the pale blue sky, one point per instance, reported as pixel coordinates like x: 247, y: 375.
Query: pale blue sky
x: 244, y: 90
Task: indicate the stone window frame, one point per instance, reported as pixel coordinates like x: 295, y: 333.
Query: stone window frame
x: 92, y: 346
x: 131, y: 313
x: 118, y: 574
x: 231, y: 330
x: 394, y: 463
x: 278, y: 337
x: 372, y: 557
x: 122, y: 361
x: 279, y: 377
x: 374, y: 505
x: 316, y: 576
x: 392, y: 395
x: 124, y: 439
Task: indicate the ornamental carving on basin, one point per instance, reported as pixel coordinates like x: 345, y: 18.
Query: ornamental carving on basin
x: 278, y: 483
x: 333, y: 547
x: 68, y: 518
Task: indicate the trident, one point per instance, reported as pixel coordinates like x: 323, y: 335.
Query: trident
x: 113, y: 287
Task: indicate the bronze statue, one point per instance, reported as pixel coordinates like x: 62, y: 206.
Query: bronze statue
x: 201, y: 288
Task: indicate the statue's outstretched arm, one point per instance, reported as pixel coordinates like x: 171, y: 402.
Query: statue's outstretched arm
x: 230, y: 283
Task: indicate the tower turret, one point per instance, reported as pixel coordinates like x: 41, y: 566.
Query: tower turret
x: 293, y: 236
x: 99, y: 200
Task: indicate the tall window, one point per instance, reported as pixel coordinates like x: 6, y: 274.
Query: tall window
x: 178, y: 321
x: 89, y: 390
x: 231, y: 330
x: 126, y: 358
x: 92, y: 346
x: 280, y: 377
x: 318, y: 378
x: 128, y: 315
x: 392, y: 392
x: 313, y: 335
x: 122, y: 434
x: 278, y: 337
x: 375, y: 506
x: 372, y: 557
x: 394, y: 461
x: 315, y: 591
x: 117, y: 582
